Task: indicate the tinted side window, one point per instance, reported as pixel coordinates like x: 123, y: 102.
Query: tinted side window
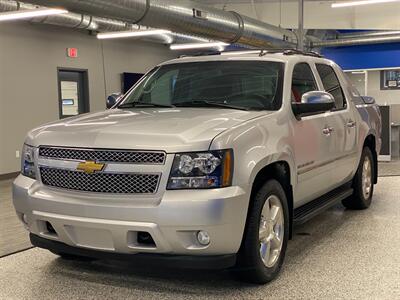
x: 302, y: 82
x: 332, y: 85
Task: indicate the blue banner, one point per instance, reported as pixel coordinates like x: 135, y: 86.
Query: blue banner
x: 375, y: 56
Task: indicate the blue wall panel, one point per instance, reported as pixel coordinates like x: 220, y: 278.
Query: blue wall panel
x: 365, y: 57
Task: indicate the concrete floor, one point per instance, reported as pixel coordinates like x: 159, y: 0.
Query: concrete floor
x: 339, y: 254
x: 13, y: 236
x: 389, y: 168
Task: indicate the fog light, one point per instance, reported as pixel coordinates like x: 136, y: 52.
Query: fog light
x: 203, y: 237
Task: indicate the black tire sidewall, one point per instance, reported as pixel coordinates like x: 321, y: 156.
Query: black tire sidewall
x: 249, y: 258
x: 364, y: 203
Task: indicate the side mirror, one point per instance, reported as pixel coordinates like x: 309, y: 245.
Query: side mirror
x: 313, y: 103
x: 113, y: 99
x: 368, y: 100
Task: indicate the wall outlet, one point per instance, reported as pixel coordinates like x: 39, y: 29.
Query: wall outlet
x: 17, y: 154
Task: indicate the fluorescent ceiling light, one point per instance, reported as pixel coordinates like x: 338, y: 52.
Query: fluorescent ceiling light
x: 131, y: 33
x: 197, y: 45
x: 27, y: 14
x: 363, y: 2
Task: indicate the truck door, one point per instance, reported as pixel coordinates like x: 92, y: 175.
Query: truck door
x: 344, y: 125
x: 313, y: 143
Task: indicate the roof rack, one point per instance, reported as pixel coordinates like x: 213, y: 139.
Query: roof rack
x: 205, y: 53
x: 290, y: 52
x: 262, y: 52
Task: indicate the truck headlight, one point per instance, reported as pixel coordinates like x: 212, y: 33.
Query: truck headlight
x: 28, y: 167
x: 201, y: 170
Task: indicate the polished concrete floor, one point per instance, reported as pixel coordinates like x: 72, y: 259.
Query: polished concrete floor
x: 13, y: 236
x: 389, y: 168
x: 339, y: 254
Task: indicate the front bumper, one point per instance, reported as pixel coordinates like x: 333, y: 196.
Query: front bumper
x: 214, y: 262
x: 110, y: 223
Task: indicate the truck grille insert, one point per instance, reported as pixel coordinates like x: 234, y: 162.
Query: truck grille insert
x: 122, y: 156
x: 100, y: 182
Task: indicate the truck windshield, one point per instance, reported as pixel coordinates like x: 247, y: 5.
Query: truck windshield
x: 219, y: 84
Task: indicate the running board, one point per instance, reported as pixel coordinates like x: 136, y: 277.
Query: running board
x: 309, y: 210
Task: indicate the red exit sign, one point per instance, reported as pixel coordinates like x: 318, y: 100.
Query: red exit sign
x: 72, y: 52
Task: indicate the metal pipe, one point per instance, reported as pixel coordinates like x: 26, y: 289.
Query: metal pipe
x: 370, y: 33
x: 300, y: 38
x: 357, y: 41
x: 186, y: 17
x: 71, y: 20
x: 88, y: 22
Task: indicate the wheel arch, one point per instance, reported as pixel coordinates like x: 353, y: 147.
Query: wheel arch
x: 282, y: 172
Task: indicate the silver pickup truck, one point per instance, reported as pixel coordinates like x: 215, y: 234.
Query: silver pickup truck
x: 207, y: 162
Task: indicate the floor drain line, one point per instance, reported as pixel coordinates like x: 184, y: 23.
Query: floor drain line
x: 16, y: 252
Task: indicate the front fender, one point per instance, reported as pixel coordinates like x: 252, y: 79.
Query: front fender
x: 257, y: 144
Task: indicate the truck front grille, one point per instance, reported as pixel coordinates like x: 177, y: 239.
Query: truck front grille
x: 116, y: 183
x: 99, y: 155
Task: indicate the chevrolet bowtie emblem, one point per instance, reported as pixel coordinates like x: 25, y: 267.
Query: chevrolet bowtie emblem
x: 90, y: 167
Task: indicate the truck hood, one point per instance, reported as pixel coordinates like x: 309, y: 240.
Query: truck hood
x: 169, y: 129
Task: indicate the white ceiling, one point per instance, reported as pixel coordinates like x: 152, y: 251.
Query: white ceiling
x: 237, y: 1
x: 256, y: 1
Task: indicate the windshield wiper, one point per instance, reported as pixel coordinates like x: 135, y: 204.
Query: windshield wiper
x: 206, y: 103
x: 136, y: 104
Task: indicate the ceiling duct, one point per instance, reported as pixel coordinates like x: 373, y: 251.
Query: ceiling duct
x: 185, y: 17
x: 369, y: 33
x: 368, y: 39
x: 89, y: 22
x: 71, y: 20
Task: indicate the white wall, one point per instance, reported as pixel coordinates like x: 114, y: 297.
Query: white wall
x: 29, y: 57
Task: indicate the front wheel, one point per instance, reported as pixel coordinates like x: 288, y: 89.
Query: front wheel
x: 266, y: 235
x: 363, y: 183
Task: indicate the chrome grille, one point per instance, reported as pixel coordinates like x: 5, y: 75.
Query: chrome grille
x: 129, y: 183
x: 121, y: 156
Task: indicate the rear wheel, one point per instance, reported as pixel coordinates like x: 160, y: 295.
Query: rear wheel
x: 363, y: 183
x: 264, y: 244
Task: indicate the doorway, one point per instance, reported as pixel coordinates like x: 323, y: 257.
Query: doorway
x: 360, y: 80
x: 73, y: 91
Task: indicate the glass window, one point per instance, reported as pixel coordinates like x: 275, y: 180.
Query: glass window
x: 302, y: 81
x: 332, y: 85
x: 69, y: 97
x: 246, y: 84
x: 390, y: 79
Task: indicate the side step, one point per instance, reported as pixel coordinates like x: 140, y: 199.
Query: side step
x: 309, y: 210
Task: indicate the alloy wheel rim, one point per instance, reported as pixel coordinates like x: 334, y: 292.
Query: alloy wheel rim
x: 366, y: 178
x: 271, y: 231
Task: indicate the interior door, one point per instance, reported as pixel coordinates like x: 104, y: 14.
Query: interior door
x: 313, y: 143
x: 73, y: 93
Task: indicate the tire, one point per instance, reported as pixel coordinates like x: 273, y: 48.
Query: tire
x: 252, y: 266
x: 363, y: 183
x: 67, y: 256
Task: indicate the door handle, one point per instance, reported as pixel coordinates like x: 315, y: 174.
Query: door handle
x: 351, y: 124
x: 327, y: 131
